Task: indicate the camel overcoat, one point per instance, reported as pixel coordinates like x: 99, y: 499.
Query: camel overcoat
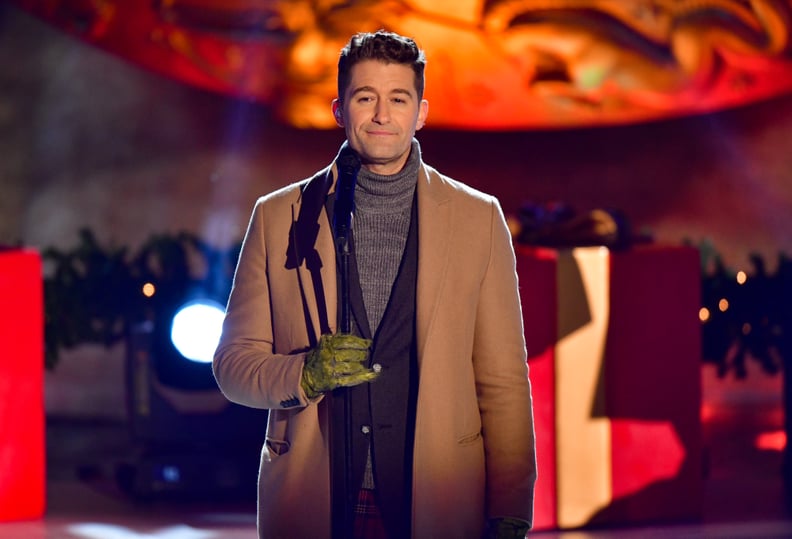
x: 474, y: 450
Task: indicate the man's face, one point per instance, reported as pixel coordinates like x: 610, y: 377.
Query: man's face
x: 381, y: 113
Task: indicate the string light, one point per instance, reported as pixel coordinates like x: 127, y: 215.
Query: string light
x: 723, y: 305
x: 149, y: 290
x: 704, y: 314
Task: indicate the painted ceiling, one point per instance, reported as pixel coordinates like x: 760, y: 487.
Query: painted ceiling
x: 492, y: 64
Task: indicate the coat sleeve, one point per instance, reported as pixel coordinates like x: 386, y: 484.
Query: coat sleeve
x: 246, y: 366
x: 502, y: 383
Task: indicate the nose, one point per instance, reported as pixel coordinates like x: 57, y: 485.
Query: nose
x: 381, y: 112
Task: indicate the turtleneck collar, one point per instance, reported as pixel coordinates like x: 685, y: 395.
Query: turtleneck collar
x: 392, y: 191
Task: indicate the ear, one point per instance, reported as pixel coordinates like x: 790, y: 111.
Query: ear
x: 423, y: 112
x: 338, y: 113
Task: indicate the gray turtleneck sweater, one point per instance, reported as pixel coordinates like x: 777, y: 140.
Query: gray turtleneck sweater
x: 382, y: 220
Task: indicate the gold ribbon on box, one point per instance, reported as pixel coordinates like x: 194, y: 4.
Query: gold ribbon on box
x: 583, y: 440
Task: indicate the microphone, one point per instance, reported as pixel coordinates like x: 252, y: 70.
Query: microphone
x: 348, y: 164
x: 342, y: 493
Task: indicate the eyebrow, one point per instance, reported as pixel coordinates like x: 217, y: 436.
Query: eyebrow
x: 399, y: 91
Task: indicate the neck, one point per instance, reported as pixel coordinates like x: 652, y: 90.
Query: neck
x: 387, y: 191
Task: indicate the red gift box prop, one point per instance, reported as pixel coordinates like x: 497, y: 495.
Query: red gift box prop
x: 614, y: 353
x: 22, y: 448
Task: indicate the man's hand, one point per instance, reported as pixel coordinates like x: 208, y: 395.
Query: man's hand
x: 337, y: 361
x: 506, y: 528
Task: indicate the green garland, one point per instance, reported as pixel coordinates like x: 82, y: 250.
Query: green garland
x: 93, y: 294
x: 748, y: 314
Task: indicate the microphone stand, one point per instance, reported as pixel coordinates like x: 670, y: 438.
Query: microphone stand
x: 348, y: 164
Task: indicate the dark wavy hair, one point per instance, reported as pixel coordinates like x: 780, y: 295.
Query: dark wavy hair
x: 385, y: 47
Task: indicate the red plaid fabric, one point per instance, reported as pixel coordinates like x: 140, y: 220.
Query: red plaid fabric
x: 368, y: 520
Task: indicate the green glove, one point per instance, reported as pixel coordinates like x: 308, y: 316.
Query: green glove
x: 337, y: 361
x: 506, y: 528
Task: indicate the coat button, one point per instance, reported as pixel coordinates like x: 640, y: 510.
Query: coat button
x: 365, y: 429
x: 376, y: 367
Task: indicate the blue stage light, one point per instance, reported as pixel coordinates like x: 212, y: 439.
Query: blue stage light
x: 196, y: 329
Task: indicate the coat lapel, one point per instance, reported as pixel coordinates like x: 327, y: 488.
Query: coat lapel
x: 434, y: 221
x: 312, y: 241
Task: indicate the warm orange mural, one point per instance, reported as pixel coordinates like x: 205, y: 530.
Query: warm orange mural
x: 493, y: 64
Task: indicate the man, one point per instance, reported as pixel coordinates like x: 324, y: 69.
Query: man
x: 435, y: 364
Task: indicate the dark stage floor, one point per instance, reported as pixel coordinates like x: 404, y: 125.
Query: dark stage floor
x: 743, y: 491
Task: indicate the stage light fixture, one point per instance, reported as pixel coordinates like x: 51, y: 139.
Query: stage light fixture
x: 196, y: 328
